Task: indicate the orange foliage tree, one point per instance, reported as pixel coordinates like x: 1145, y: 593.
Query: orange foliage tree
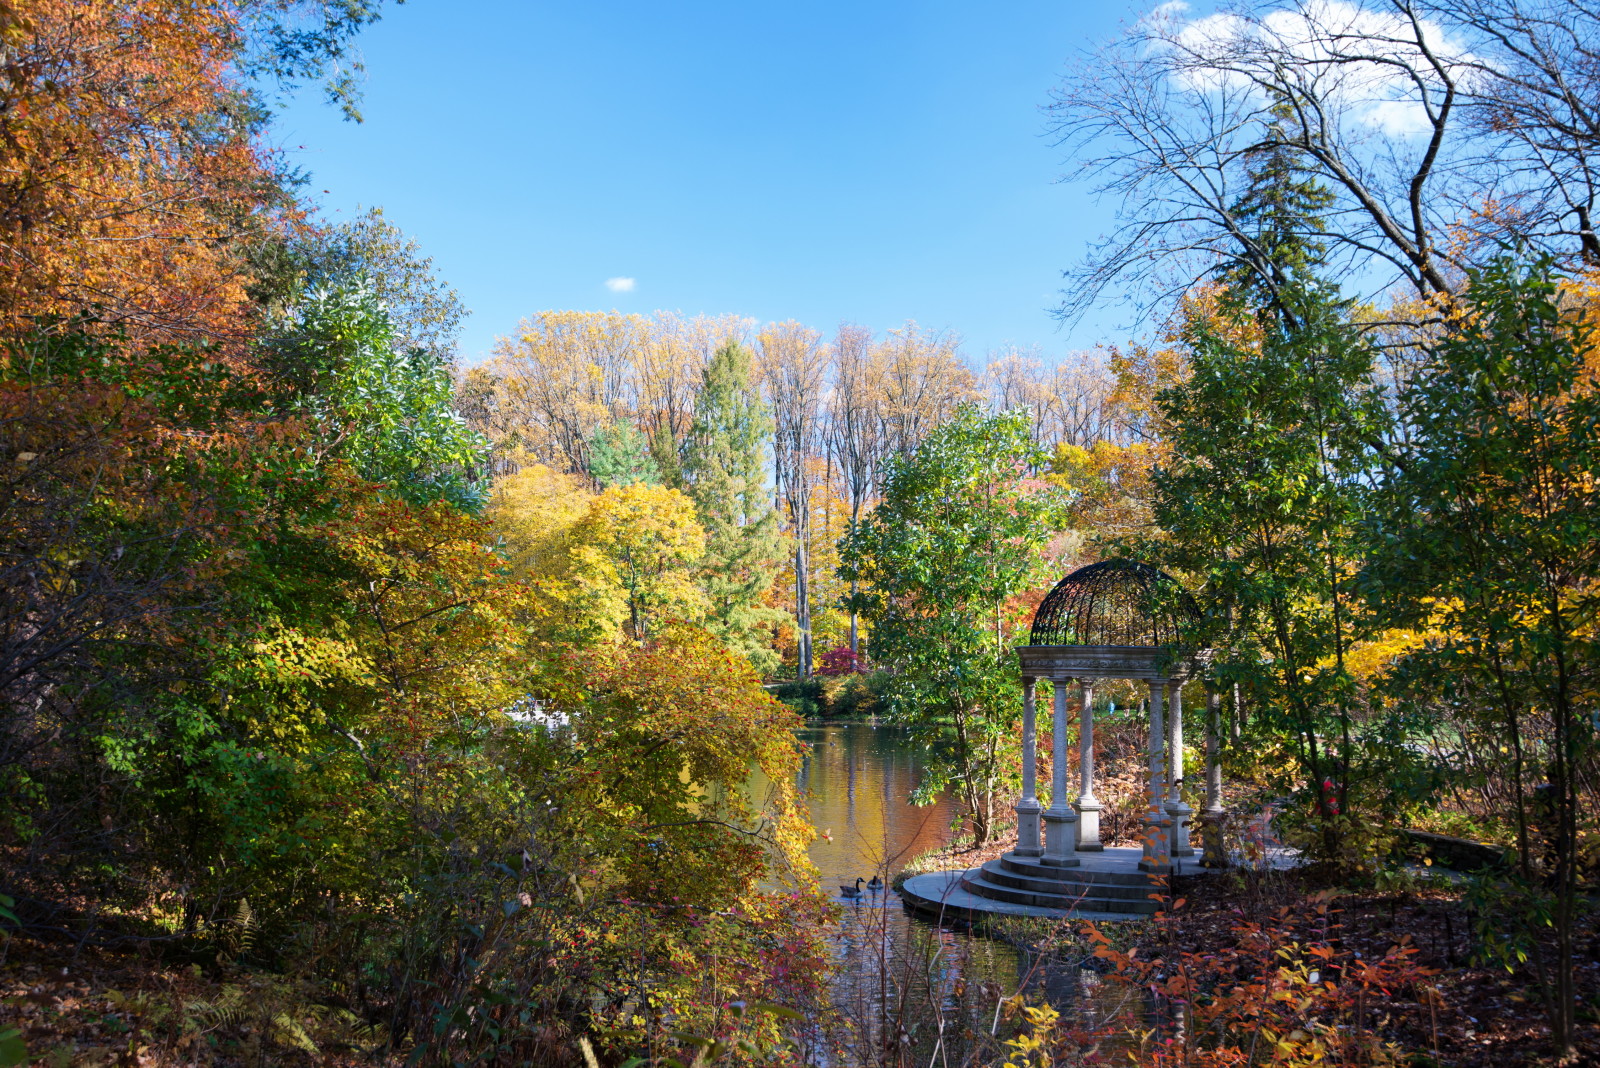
x: 127, y: 173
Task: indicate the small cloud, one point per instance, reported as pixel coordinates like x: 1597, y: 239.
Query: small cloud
x: 620, y: 285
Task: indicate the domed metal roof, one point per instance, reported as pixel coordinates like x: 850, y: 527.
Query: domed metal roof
x: 1117, y: 602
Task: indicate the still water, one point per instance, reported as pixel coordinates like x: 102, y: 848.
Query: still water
x: 910, y: 990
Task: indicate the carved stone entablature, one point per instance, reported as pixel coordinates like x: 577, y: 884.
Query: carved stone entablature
x: 1111, y: 662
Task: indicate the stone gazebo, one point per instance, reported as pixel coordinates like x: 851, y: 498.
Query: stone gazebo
x: 1113, y: 620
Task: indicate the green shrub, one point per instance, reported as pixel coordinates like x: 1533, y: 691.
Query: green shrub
x: 850, y: 697
x: 809, y: 697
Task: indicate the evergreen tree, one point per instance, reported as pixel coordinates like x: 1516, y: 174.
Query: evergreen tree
x: 620, y: 456
x: 724, y: 472
x: 1279, y: 218
x: 664, y: 452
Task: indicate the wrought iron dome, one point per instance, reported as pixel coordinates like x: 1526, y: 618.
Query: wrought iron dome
x: 1117, y: 602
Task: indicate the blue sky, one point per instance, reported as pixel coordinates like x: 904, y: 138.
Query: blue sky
x: 821, y: 162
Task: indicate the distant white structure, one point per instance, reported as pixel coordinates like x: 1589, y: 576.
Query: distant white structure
x: 532, y: 711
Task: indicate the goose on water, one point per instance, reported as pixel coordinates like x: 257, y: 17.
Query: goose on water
x: 875, y: 884
x: 852, y: 891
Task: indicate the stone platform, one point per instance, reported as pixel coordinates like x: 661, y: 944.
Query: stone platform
x: 1105, y: 886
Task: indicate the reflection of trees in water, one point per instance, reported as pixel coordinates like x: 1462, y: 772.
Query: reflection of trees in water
x: 910, y: 992
x: 857, y: 779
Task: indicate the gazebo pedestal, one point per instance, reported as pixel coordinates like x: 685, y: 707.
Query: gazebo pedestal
x: 1108, y: 886
x: 1089, y: 825
x: 1060, y: 839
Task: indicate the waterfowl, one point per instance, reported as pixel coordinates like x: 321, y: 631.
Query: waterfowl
x: 852, y: 891
x: 874, y: 884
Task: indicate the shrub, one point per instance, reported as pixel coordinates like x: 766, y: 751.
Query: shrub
x: 809, y: 697
x: 841, y: 661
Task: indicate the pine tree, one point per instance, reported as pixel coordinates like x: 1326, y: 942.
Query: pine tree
x: 1279, y: 218
x: 620, y: 456
x: 668, y: 458
x: 724, y: 472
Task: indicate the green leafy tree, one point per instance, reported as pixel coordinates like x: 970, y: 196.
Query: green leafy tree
x: 1259, y: 499
x: 620, y: 456
x: 1488, y: 534
x: 724, y: 473
x: 424, y: 312
x: 960, y: 532
x: 389, y: 413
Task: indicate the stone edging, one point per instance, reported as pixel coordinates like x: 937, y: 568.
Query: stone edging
x: 1460, y: 854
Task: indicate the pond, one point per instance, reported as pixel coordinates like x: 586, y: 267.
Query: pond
x: 912, y: 991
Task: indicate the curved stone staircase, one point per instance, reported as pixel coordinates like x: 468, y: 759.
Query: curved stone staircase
x: 1108, y: 883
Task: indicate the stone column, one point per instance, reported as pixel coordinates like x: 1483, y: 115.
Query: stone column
x: 1156, y: 821
x: 1028, y: 808
x: 1060, y: 822
x: 1212, y: 815
x: 1179, y: 811
x: 1088, y: 806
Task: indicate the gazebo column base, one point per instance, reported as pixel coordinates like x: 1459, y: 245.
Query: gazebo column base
x: 1060, y: 839
x: 1179, y: 815
x: 1157, y: 856
x: 1089, y: 826
x: 1216, y: 854
x: 1028, y: 828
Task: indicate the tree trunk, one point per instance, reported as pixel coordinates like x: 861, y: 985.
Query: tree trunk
x: 1564, y: 1018
x: 855, y: 640
x: 802, y: 599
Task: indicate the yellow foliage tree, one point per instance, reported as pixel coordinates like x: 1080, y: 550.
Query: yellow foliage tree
x: 1110, y: 485
x: 603, y: 565
x: 633, y: 558
x: 533, y: 511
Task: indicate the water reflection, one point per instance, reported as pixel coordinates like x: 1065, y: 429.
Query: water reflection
x: 857, y: 778
x: 911, y: 991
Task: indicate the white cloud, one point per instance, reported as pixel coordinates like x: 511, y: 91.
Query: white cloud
x: 620, y: 285
x: 1344, y: 53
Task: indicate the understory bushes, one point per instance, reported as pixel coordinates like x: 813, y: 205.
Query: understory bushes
x: 853, y: 696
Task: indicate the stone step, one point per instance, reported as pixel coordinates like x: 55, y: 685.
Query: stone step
x: 1085, y: 903
x: 1032, y: 868
x: 1066, y: 882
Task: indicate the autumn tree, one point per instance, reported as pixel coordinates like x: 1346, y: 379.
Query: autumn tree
x: 919, y: 381
x: 564, y: 374
x: 130, y: 496
x: 533, y: 511
x: 1486, y: 535
x: 131, y: 181
x: 854, y: 437
x: 635, y: 555
x: 127, y: 183
x: 793, y: 367
x: 601, y: 566
x: 1258, y: 498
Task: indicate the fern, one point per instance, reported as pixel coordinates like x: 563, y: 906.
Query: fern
x: 240, y: 933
